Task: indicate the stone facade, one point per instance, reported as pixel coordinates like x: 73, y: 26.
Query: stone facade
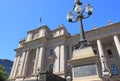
x: 50, y: 50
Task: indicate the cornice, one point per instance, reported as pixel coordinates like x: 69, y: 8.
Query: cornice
x: 19, y: 49
x: 59, y: 28
x: 102, y: 32
x: 58, y: 37
x: 57, y: 41
x: 104, y: 27
x: 42, y: 39
x: 33, y: 43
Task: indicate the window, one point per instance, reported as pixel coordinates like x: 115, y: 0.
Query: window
x: 85, y: 70
x: 51, y: 68
x: 51, y: 52
x: 109, y: 52
x: 114, y: 69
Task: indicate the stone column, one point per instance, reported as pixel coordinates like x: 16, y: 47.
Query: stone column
x: 36, y: 61
x: 13, y: 67
x: 56, y: 67
x: 40, y: 59
x: 103, y: 59
x: 70, y: 52
x: 25, y: 64
x: 117, y: 43
x: 16, y: 66
x: 21, y: 63
x: 43, y: 59
x: 62, y: 58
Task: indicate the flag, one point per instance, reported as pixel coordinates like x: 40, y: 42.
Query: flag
x: 40, y: 19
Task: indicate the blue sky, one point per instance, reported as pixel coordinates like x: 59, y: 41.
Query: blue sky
x: 19, y: 16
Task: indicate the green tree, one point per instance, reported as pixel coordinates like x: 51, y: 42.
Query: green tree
x: 3, y: 74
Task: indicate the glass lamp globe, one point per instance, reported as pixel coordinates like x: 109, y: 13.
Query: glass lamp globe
x: 89, y: 9
x: 77, y: 1
x: 78, y: 9
x: 69, y: 16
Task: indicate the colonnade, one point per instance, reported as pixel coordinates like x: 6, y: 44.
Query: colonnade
x: 21, y: 63
x: 105, y: 68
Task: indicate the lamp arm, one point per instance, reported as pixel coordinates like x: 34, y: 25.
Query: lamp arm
x: 82, y: 11
x: 85, y: 17
x: 74, y: 21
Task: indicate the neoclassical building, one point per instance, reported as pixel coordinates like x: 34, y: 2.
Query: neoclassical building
x: 50, y: 50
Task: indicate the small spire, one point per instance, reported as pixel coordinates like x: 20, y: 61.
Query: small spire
x: 110, y: 22
x: 95, y: 27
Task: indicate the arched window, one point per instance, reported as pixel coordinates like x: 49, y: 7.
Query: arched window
x: 114, y: 69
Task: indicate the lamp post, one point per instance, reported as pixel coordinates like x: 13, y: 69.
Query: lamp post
x: 80, y: 15
x: 68, y: 75
x: 38, y: 74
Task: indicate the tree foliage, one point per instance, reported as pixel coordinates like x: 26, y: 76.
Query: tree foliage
x: 3, y: 74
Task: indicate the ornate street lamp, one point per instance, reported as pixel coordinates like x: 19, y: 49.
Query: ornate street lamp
x: 81, y: 13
